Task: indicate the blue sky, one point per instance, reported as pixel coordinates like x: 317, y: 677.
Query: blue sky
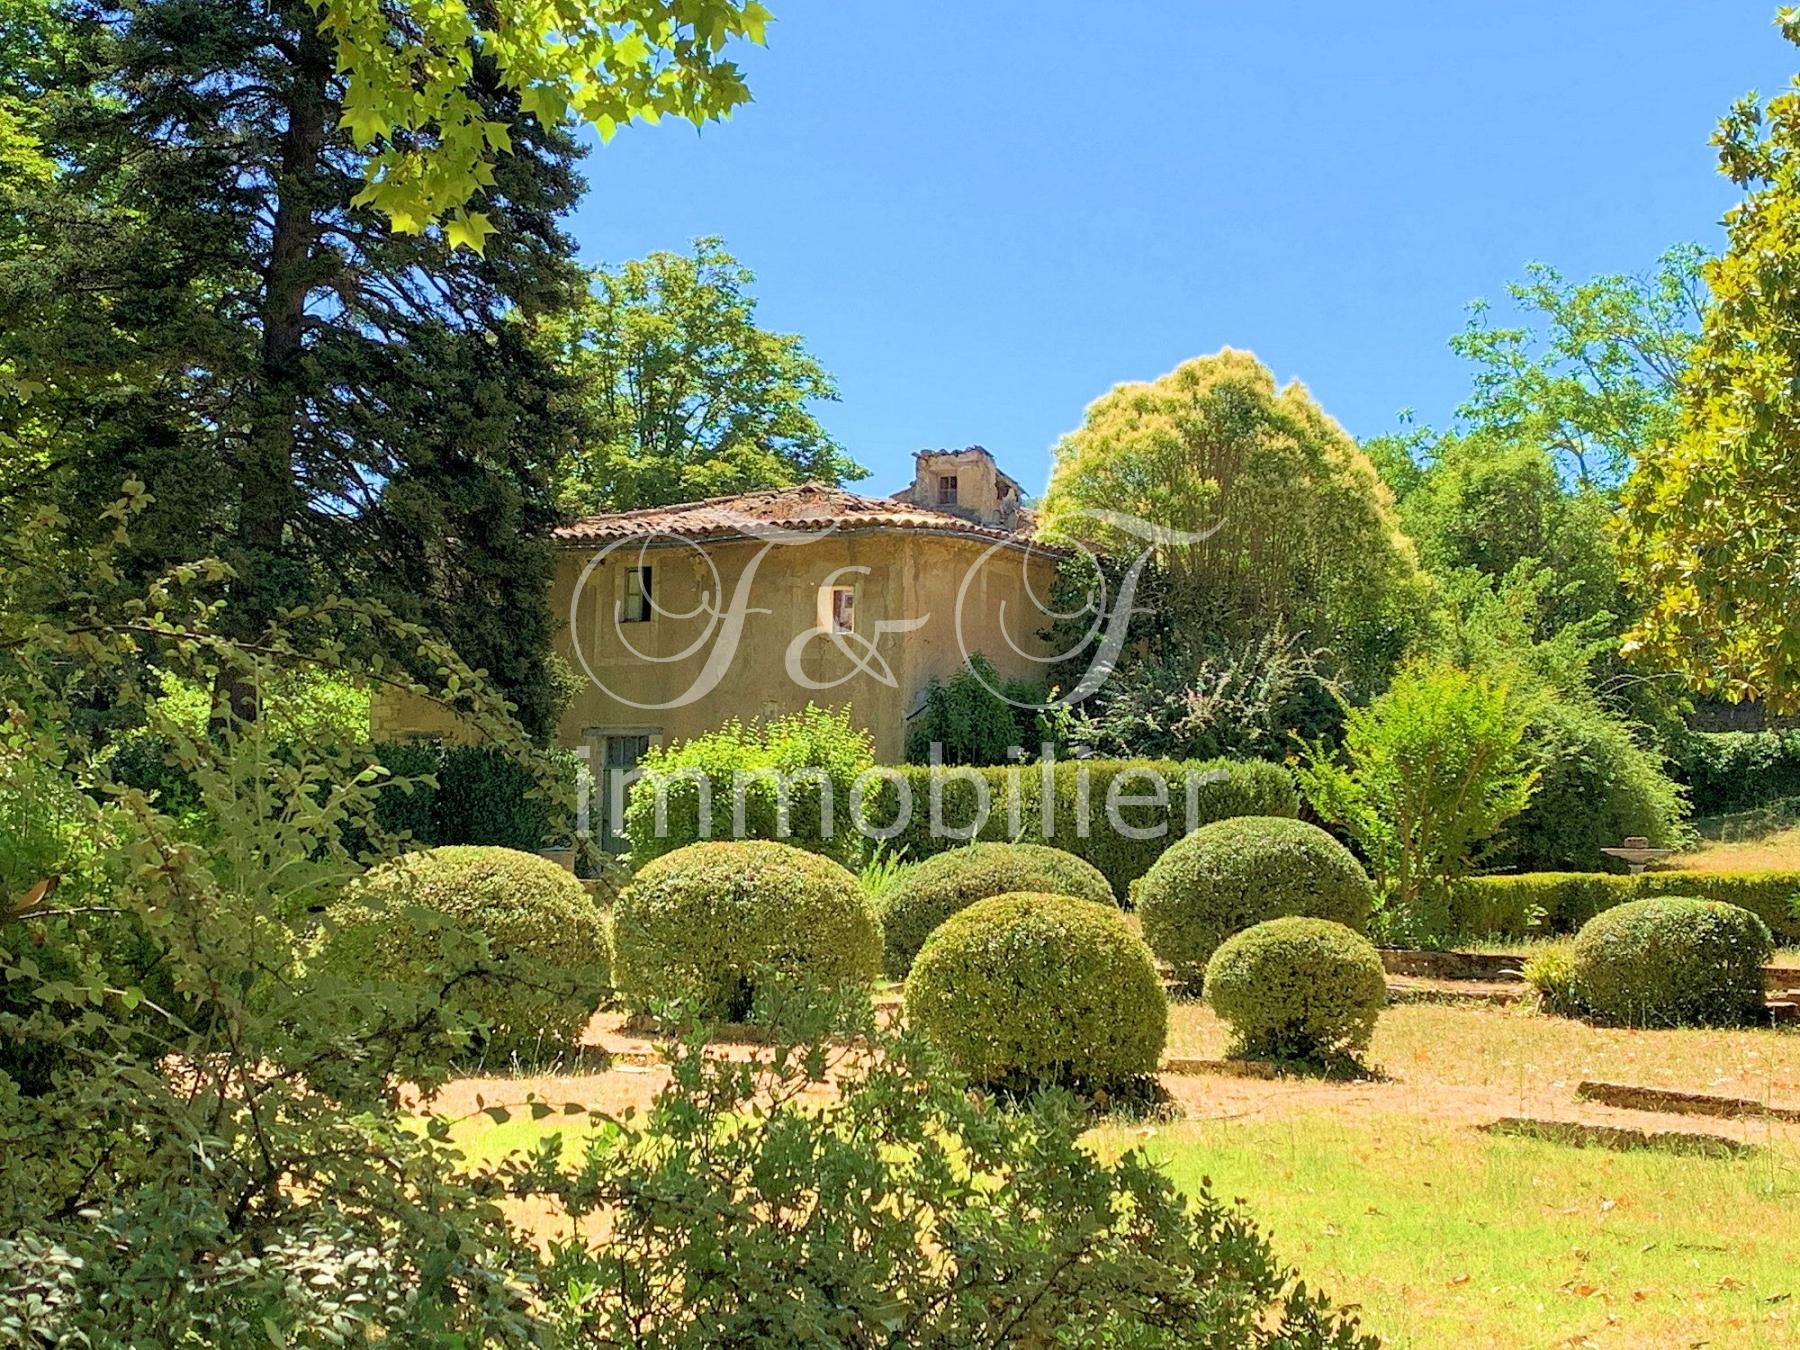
x: 981, y: 216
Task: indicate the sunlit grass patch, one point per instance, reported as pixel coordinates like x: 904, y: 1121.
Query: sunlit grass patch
x: 1450, y: 1237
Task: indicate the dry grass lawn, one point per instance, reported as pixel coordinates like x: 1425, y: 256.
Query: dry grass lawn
x: 1777, y: 852
x: 1389, y: 1194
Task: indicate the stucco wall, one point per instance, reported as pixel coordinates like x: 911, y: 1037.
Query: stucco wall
x: 912, y: 575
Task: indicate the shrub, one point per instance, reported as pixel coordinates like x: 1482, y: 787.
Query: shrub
x: 1550, y: 972
x: 487, y: 796
x: 950, y: 882
x: 534, y: 940
x: 1560, y: 902
x: 1731, y: 771
x: 1072, y: 815
x: 702, y: 924
x: 477, y: 794
x: 975, y: 717
x: 1431, y: 770
x: 795, y: 775
x: 1596, y: 786
x: 1231, y: 874
x: 411, y: 810
x: 1671, y: 961
x: 1028, y: 990
x: 1297, y: 988
x: 900, y: 1209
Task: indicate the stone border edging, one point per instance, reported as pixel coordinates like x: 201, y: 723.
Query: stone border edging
x: 1617, y: 1138
x: 1634, y: 1098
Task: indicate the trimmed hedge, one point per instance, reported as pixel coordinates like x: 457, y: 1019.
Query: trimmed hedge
x: 809, y: 760
x: 1298, y: 988
x: 1231, y: 874
x: 1670, y: 962
x: 1561, y: 902
x: 529, y: 930
x: 950, y: 882
x: 1731, y: 771
x: 1026, y: 990
x: 482, y: 796
x: 1072, y: 815
x: 697, y: 925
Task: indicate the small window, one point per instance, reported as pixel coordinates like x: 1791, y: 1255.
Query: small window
x: 637, y: 607
x: 843, y: 609
x: 946, y: 489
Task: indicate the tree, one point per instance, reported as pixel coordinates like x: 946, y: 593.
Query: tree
x: 680, y: 395
x: 1596, y: 384
x: 1493, y: 505
x: 1712, y: 516
x: 431, y: 143
x: 1430, y: 772
x: 1283, y: 521
x: 328, y: 404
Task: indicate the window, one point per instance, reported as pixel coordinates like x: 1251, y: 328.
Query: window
x: 843, y: 609
x: 946, y: 489
x: 637, y: 608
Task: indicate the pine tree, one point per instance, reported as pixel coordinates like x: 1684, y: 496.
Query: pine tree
x: 330, y: 405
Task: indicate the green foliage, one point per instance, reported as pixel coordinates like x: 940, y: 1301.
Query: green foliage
x: 222, y: 1155
x: 704, y: 925
x: 528, y: 943
x: 1594, y: 380
x: 896, y: 1208
x: 1199, y: 699
x: 439, y: 793
x: 679, y: 395
x: 1027, y: 990
x: 1710, y: 517
x: 1298, y: 988
x: 950, y: 882
x: 305, y: 706
x: 793, y: 776
x: 1229, y: 875
x: 974, y: 718
x: 1072, y: 814
x: 881, y: 873
x: 1595, y: 787
x: 484, y: 796
x: 1561, y: 902
x: 1495, y: 507
x: 331, y: 406
x: 1550, y: 971
x: 429, y: 144
x: 1430, y: 772
x: 1296, y: 530
x: 56, y: 875
x: 1672, y: 961
x: 1731, y: 771
x: 1600, y: 776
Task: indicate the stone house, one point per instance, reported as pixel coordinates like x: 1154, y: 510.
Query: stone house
x: 679, y: 618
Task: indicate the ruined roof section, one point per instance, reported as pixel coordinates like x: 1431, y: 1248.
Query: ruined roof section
x: 810, y: 506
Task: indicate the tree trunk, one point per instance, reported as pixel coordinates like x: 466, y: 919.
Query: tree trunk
x: 268, y: 497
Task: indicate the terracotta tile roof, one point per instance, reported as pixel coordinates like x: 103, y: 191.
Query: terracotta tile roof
x: 810, y: 506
